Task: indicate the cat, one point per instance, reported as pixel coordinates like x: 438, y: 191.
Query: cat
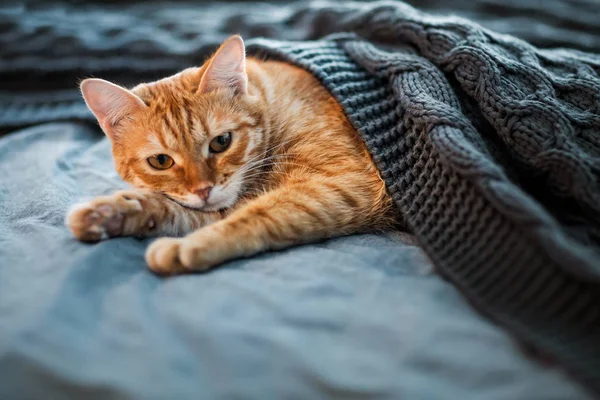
x: 237, y: 157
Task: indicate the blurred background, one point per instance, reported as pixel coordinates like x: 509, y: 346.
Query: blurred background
x: 46, y: 47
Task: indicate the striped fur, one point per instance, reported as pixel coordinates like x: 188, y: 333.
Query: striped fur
x: 296, y: 170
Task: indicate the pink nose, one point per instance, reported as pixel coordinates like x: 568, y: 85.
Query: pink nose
x: 204, y: 192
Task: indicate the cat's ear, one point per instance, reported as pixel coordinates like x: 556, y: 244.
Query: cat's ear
x: 227, y: 68
x: 110, y: 103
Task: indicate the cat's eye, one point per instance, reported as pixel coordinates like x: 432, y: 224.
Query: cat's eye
x: 220, y: 143
x: 160, y: 161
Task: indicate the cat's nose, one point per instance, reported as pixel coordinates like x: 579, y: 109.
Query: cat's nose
x: 204, y: 192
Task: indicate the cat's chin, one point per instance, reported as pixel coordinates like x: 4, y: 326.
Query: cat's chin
x: 198, y: 207
x: 201, y: 206
x: 220, y: 205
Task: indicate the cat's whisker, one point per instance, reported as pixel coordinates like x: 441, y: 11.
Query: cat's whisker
x: 274, y: 164
x: 268, y: 149
x: 272, y: 149
x: 255, y: 175
x: 264, y: 163
x: 255, y: 161
x: 304, y: 166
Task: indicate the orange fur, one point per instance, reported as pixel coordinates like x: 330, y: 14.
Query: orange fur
x: 300, y: 169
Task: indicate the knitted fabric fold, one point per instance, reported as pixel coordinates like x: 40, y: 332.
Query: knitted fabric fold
x: 491, y: 151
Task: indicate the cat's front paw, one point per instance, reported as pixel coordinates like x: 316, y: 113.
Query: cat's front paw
x: 169, y: 256
x: 105, y: 216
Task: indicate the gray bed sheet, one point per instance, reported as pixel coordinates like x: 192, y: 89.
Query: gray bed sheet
x: 356, y: 317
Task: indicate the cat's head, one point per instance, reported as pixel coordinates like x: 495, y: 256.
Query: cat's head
x: 192, y: 136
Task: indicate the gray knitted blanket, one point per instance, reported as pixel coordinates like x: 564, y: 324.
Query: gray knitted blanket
x: 489, y: 146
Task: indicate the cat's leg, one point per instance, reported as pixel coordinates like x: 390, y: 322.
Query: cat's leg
x: 140, y: 213
x: 295, y: 214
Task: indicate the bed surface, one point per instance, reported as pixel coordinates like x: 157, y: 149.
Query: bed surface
x: 356, y: 317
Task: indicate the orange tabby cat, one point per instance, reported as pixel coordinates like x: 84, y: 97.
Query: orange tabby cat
x: 241, y: 155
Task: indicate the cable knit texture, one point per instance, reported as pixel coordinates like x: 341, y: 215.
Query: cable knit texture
x: 491, y: 150
x: 489, y: 146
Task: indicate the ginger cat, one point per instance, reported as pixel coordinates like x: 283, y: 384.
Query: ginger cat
x: 233, y: 158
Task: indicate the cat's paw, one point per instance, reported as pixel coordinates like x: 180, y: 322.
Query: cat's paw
x: 169, y: 256
x: 104, y: 216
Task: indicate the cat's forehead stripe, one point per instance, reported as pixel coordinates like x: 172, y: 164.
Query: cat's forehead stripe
x: 205, y: 127
x: 216, y: 124
x: 156, y: 141
x: 198, y: 129
x: 213, y: 123
x: 171, y: 141
x: 187, y: 115
x: 168, y: 134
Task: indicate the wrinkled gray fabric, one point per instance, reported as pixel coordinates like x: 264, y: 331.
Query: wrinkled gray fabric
x: 356, y: 317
